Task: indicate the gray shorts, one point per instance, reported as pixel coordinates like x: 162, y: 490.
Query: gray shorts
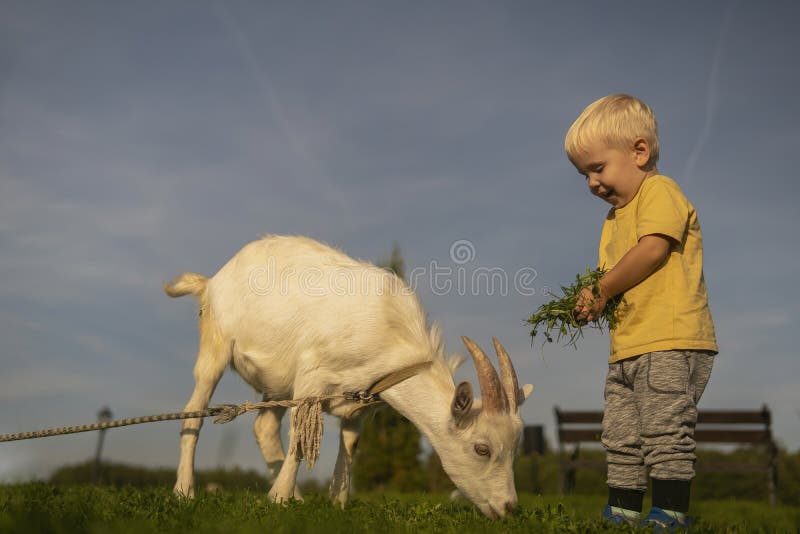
x: 650, y: 415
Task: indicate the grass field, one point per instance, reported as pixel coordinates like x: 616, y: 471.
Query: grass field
x: 47, y: 508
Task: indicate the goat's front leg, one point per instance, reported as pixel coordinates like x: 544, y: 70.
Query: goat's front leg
x: 340, y: 483
x: 283, y: 488
x: 267, y: 429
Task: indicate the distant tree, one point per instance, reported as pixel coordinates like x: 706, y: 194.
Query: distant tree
x: 438, y: 481
x: 388, y: 453
x: 395, y: 263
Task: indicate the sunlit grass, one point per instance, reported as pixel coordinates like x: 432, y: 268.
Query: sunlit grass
x: 48, y: 508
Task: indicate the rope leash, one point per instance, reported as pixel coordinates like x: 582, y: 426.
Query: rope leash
x: 306, y: 420
x: 224, y: 413
x: 305, y: 439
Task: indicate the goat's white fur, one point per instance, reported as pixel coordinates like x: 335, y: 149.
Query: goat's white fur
x: 297, y: 318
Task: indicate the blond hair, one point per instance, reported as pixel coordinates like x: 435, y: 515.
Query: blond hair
x: 617, y: 121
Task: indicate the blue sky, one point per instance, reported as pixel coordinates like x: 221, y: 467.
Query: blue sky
x: 143, y: 139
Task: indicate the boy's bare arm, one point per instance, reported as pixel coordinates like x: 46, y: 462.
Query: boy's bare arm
x: 636, y: 265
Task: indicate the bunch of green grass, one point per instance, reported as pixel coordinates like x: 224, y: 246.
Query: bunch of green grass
x: 556, y: 317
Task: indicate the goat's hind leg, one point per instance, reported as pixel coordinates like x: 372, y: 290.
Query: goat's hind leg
x: 340, y: 483
x: 285, y: 484
x: 212, y: 357
x: 267, y: 429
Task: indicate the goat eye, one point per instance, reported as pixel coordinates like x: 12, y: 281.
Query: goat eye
x: 482, y: 450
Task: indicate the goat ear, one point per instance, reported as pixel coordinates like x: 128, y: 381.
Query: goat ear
x: 453, y: 363
x: 462, y: 401
x: 524, y: 392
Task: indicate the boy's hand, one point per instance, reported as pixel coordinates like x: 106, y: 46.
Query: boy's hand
x: 636, y: 265
x: 589, y: 306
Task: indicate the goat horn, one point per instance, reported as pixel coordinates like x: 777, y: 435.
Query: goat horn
x: 508, y: 376
x: 492, y: 395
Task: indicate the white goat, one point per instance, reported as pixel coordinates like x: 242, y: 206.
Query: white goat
x: 297, y: 319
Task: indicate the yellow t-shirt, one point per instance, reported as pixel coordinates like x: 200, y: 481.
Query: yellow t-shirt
x: 668, y: 310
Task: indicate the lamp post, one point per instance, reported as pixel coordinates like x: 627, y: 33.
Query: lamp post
x: 103, y: 416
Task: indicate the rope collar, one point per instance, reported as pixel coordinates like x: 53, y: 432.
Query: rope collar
x: 372, y: 394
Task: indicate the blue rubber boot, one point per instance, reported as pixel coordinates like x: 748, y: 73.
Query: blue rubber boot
x: 621, y: 516
x: 666, y: 521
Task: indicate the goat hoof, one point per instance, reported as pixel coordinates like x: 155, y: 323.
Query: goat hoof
x: 279, y: 498
x: 183, y: 492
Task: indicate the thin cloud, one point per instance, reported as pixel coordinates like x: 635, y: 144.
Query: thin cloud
x: 309, y: 171
x: 712, y: 95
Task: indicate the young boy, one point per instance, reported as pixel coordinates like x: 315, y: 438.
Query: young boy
x: 663, y: 346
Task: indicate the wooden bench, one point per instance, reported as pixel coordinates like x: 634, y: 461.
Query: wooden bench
x: 736, y: 427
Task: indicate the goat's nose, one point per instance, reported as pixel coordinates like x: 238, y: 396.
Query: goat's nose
x: 511, y: 506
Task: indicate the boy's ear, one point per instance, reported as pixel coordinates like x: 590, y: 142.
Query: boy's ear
x: 641, y: 149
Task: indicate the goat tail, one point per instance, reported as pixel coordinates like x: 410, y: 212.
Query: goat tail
x: 186, y: 284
